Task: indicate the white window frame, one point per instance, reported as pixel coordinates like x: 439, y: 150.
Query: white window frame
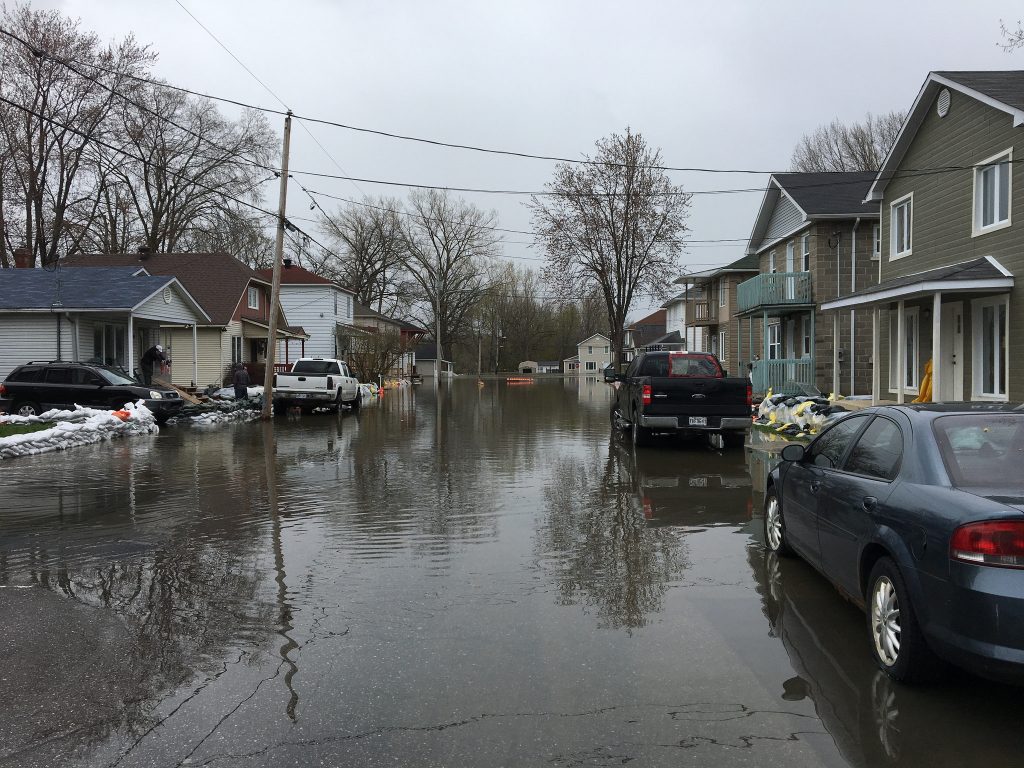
x: 723, y: 352
x: 977, y: 349
x: 774, y: 332
x: 876, y: 239
x: 805, y: 256
x: 977, y: 228
x: 253, y: 297
x: 893, y: 206
x: 721, y: 292
x: 771, y: 261
x: 590, y: 349
x: 805, y: 336
x: 909, y: 374
x: 591, y: 365
x: 790, y: 256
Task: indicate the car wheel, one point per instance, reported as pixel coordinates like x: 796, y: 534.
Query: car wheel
x: 27, y: 408
x: 896, y: 639
x: 356, y: 401
x: 641, y: 435
x: 775, y: 525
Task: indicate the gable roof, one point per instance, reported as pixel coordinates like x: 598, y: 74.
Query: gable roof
x: 85, y: 289
x: 815, y: 197
x: 216, y: 280
x: 594, y: 336
x: 296, y: 275
x: 1000, y: 89
x: 428, y: 351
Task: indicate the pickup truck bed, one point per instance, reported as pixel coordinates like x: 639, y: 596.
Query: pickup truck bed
x: 316, y: 382
x: 680, y: 392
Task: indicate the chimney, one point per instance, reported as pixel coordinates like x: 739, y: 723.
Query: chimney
x: 23, y: 258
x: 287, y: 263
x: 143, y: 252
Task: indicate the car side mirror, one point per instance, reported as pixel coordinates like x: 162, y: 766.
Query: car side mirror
x: 793, y: 452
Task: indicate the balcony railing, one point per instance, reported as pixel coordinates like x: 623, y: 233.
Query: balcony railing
x: 786, y: 376
x: 775, y: 289
x: 705, y: 313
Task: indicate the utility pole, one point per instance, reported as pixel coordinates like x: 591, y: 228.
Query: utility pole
x: 437, y: 336
x: 275, y: 291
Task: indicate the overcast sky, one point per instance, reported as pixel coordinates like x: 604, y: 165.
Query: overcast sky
x: 714, y: 84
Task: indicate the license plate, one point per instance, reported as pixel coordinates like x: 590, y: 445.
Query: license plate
x: 300, y: 395
x: 698, y: 482
x: 698, y: 421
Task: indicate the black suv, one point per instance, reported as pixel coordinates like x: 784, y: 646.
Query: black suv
x: 33, y: 388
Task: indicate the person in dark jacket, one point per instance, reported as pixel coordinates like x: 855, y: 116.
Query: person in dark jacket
x: 241, y: 382
x: 150, y: 358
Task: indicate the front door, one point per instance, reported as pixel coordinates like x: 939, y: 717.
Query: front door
x: 951, y: 377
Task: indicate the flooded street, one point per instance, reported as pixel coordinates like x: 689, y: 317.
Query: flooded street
x: 481, y: 577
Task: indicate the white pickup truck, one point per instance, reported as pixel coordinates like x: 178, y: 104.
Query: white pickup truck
x: 316, y: 382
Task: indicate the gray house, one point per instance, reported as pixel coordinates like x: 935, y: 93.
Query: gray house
x: 814, y: 239
x: 951, y: 244
x: 89, y: 313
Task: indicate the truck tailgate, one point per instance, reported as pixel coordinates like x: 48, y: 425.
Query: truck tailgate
x: 301, y: 382
x: 710, y: 397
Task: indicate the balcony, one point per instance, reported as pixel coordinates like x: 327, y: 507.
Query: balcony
x: 775, y: 289
x: 704, y: 313
x: 786, y: 376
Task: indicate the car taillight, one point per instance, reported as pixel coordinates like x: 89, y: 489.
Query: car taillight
x: 994, y: 542
x: 3, y: 390
x: 646, y: 394
x: 330, y: 383
x: 750, y: 395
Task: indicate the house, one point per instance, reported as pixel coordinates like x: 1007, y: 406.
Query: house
x: 235, y: 299
x: 528, y: 366
x: 670, y: 342
x: 815, y: 239
x: 642, y: 332
x: 549, y: 366
x: 321, y: 307
x: 593, y: 355
x: 104, y: 314
x: 714, y: 311
x: 426, y: 363
x: 679, y: 310
x: 571, y: 365
x: 369, y: 320
x: 951, y: 245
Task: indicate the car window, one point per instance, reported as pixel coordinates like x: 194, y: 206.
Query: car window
x: 693, y: 365
x: 982, y: 450
x: 115, y: 377
x: 333, y: 368
x: 878, y: 452
x: 828, y: 449
x: 85, y: 377
x: 655, y: 366
x: 314, y: 367
x: 631, y: 371
x: 58, y: 375
x: 28, y: 375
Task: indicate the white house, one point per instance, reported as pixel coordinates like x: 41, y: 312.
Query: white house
x: 321, y: 307
x: 678, y: 315
x: 593, y: 355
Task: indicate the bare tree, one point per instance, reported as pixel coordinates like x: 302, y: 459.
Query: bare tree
x: 615, y: 224
x: 50, y: 117
x: 237, y: 230
x: 840, y: 147
x: 447, y: 245
x: 376, y: 353
x: 1012, y: 38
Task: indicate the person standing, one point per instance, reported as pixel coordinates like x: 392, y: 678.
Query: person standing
x: 150, y: 358
x: 241, y: 382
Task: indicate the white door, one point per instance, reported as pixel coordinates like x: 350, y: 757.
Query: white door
x: 951, y: 377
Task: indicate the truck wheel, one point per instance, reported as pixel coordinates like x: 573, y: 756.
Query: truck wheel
x: 355, y: 402
x: 641, y: 435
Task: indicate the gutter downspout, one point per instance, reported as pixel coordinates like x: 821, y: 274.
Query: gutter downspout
x: 853, y: 312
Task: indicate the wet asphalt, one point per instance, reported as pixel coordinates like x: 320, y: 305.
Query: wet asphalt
x: 481, y: 576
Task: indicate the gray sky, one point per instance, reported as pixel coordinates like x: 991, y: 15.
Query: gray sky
x: 713, y: 84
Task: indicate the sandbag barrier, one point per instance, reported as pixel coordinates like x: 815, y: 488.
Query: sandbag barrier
x: 78, y: 426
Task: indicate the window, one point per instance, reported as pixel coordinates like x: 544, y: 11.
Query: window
x: 606, y: 349
x: 775, y: 341
x: 32, y: 375
x: 982, y: 450
x: 992, y: 193
x: 902, y: 220
x: 990, y: 359
x: 85, y: 377
x: 590, y: 350
x: 805, y: 260
x: 722, y: 351
x: 254, y: 297
x: 58, y: 376
x: 805, y: 335
x: 721, y: 292
x: 911, y: 332
x: 591, y: 365
x: 335, y: 304
x: 827, y: 451
x: 110, y: 344
x: 789, y: 256
x: 879, y: 451
x: 771, y: 261
x: 236, y: 349
x: 876, y: 239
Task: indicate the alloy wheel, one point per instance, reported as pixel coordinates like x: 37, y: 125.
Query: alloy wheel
x: 885, y: 621
x: 774, y: 524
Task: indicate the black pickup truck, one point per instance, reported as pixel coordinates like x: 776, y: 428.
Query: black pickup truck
x: 680, y: 392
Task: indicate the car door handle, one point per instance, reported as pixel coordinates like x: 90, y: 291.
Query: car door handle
x: 814, y: 485
x: 869, y: 503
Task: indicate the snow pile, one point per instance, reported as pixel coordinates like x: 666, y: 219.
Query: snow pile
x: 80, y: 426
x: 796, y: 416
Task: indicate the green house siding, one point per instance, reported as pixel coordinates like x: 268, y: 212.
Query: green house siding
x: 942, y: 220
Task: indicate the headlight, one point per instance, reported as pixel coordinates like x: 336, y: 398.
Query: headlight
x: 154, y: 395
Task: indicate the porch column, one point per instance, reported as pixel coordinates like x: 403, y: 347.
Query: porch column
x: 195, y: 355
x: 901, y: 352
x: 131, y: 344
x: 739, y: 343
x: 936, y: 346
x: 750, y: 332
x: 814, y: 367
x: 876, y: 352
x: 764, y: 333
x: 835, y: 352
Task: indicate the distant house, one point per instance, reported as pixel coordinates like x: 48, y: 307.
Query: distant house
x: 369, y: 320
x: 640, y: 333
x: 101, y: 314
x: 679, y: 313
x: 571, y: 365
x: 549, y: 366
x: 529, y: 366
x: 235, y: 299
x: 593, y: 355
x: 427, y: 365
x: 320, y: 306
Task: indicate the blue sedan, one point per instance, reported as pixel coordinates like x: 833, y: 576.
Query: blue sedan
x: 916, y: 514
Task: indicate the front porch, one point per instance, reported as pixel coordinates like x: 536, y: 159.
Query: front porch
x: 784, y: 360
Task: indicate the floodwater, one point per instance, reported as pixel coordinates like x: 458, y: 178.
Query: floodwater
x: 482, y: 577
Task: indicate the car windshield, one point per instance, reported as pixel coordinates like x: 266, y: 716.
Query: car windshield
x: 693, y: 365
x: 982, y: 450
x: 315, y: 367
x: 115, y: 377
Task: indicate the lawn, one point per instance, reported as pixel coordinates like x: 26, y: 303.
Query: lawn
x: 6, y: 430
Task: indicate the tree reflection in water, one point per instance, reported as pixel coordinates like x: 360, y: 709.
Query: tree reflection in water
x: 597, y: 546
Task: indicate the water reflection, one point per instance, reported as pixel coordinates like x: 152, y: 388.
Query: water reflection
x: 874, y: 721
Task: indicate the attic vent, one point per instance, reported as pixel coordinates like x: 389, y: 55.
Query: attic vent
x: 942, y: 106
x: 167, y: 294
